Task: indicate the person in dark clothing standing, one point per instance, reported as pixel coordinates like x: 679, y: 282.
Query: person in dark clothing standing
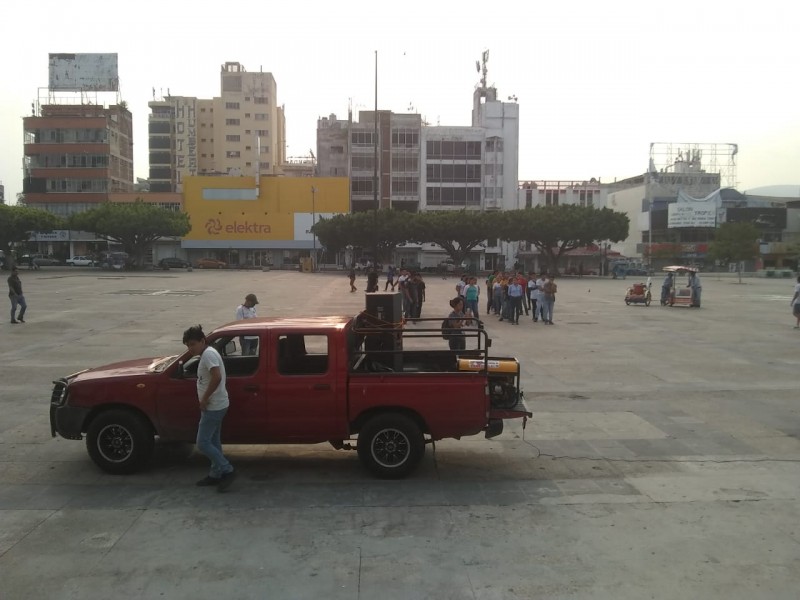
x: 372, y: 280
x: 16, y: 297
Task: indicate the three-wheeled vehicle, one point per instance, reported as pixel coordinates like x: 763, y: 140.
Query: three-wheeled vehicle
x: 677, y: 295
x: 638, y: 293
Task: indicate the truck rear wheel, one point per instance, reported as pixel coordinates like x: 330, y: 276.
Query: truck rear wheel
x: 120, y: 441
x: 391, y: 445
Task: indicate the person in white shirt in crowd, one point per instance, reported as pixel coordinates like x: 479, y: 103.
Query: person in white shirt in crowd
x: 533, y: 295
x: 540, y: 307
x: 213, y: 398
x: 247, y: 310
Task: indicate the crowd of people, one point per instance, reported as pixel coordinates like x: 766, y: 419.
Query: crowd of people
x: 509, y: 295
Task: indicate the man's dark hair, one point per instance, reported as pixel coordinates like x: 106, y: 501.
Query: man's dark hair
x: 194, y: 334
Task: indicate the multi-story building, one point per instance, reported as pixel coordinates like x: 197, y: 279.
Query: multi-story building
x: 75, y: 155
x: 421, y: 167
x: 542, y: 192
x: 2, y: 193
x: 241, y: 132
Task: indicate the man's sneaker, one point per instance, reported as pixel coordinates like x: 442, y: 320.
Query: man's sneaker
x: 20, y: 319
x: 209, y: 481
x: 226, y: 480
x: 14, y: 321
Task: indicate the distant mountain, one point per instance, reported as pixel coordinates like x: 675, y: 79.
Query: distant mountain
x: 776, y: 191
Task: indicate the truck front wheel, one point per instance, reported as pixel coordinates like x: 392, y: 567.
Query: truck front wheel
x: 391, y: 445
x: 120, y: 441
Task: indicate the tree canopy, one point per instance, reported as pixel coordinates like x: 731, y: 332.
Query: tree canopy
x: 18, y: 222
x: 735, y: 242
x: 135, y: 226
x: 457, y: 232
x: 378, y: 232
x: 555, y: 230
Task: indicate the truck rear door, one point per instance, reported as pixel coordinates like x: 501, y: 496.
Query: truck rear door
x: 305, y: 392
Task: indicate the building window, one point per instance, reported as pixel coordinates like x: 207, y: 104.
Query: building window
x: 362, y: 138
x: 405, y: 138
x: 405, y: 186
x: 361, y: 185
x: 461, y: 173
x: 246, y: 115
x: 585, y: 197
x: 551, y: 197
x: 337, y: 149
x: 494, y: 145
x: 247, y: 148
x: 232, y: 122
x: 449, y: 196
x: 405, y: 163
x: 260, y: 100
x: 363, y: 163
x: 262, y: 132
x: 232, y: 105
x: 233, y: 154
x: 233, y: 138
x: 261, y: 117
x: 444, y: 149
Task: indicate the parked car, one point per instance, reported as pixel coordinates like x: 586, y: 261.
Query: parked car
x: 39, y: 260
x: 80, y: 261
x: 172, y: 263
x: 210, y: 263
x: 350, y: 385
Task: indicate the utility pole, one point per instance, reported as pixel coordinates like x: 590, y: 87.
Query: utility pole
x: 375, y: 166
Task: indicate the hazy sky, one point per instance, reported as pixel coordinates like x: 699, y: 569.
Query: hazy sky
x: 597, y: 82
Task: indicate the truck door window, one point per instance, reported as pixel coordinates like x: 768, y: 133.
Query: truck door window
x: 302, y: 354
x: 239, y: 355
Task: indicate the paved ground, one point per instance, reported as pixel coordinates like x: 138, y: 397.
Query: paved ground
x: 662, y: 460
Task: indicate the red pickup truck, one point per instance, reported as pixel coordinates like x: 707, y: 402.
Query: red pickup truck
x: 309, y: 380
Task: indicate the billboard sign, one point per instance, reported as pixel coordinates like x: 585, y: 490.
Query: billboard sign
x: 689, y: 215
x: 84, y: 72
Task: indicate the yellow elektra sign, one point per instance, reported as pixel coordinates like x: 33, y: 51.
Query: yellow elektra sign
x: 233, y: 208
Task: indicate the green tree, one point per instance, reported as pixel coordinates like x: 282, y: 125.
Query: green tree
x: 554, y: 230
x: 377, y: 232
x: 17, y: 223
x: 135, y: 226
x: 457, y: 232
x: 735, y: 242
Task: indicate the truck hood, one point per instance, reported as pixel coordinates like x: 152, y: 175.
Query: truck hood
x: 137, y: 367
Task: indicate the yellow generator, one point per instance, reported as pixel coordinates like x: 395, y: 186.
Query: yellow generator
x: 504, y: 375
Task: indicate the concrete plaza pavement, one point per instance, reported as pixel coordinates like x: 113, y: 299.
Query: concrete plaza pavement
x: 662, y: 461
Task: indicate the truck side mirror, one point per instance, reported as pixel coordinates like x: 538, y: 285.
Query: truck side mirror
x: 181, y: 373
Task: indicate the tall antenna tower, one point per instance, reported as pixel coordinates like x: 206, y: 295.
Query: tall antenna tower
x: 482, y: 68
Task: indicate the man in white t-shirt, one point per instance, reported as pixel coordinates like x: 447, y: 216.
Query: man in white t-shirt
x: 213, y: 398
x: 795, y: 304
x: 248, y: 311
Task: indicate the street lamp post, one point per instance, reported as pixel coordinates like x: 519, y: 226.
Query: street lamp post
x: 313, y: 222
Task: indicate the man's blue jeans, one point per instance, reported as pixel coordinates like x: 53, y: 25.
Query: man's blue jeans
x: 18, y: 300
x: 209, y: 441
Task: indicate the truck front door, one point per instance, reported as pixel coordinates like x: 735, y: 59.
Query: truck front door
x: 178, y: 411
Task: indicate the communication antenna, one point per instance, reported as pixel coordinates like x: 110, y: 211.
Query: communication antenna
x: 482, y: 68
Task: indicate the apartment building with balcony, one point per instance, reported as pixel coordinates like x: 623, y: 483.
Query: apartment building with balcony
x: 240, y: 132
x: 75, y: 155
